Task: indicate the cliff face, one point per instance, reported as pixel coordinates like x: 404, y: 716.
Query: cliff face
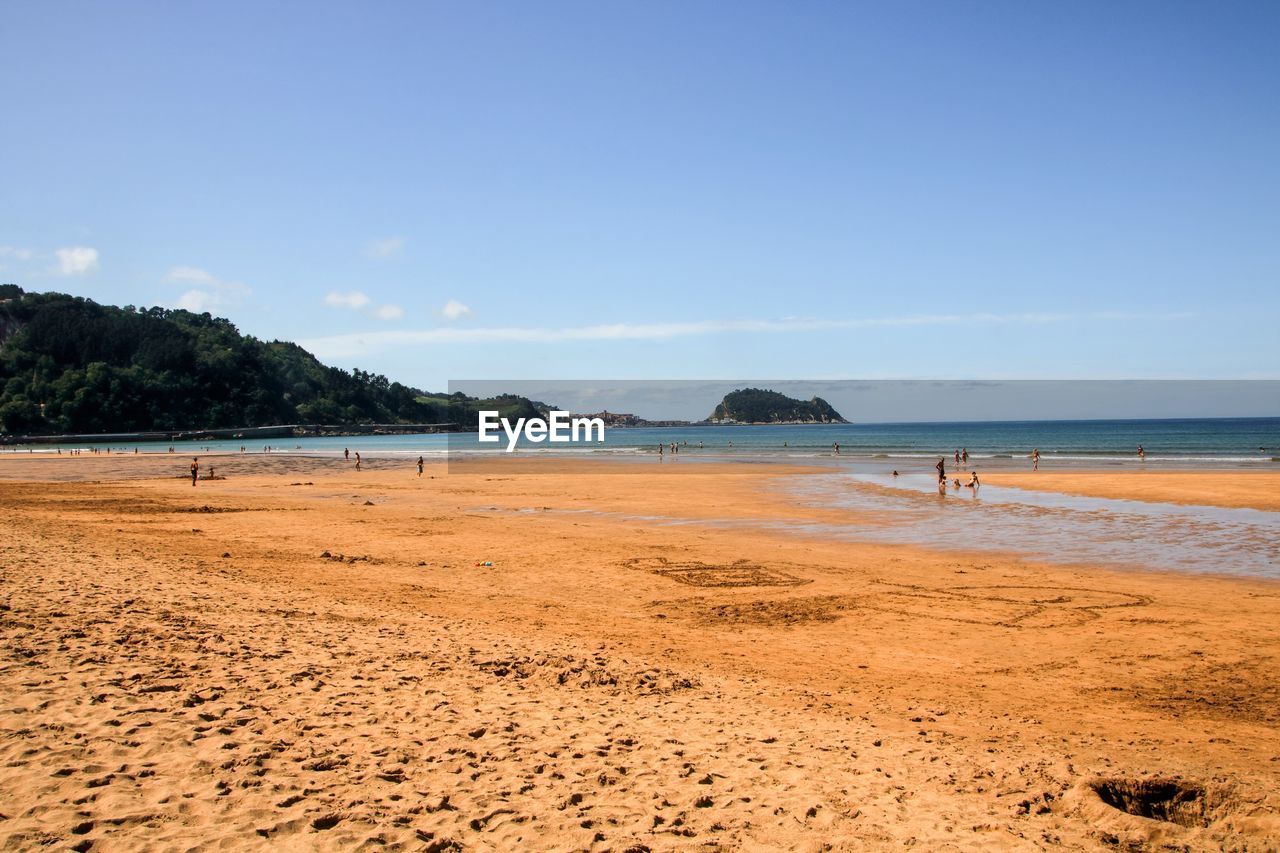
x: 759, y: 406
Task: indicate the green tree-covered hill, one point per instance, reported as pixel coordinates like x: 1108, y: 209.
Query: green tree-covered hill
x: 758, y: 406
x: 70, y: 365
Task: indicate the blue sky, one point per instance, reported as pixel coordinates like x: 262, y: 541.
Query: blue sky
x: 664, y: 190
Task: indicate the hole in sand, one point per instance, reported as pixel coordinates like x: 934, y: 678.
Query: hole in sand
x: 1170, y: 800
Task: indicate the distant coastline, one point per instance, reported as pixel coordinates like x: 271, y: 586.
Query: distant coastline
x: 277, y: 431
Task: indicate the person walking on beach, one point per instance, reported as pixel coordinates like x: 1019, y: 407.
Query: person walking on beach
x: 1035, y: 459
x: 346, y: 453
x: 195, y: 470
x: 419, y: 466
x: 357, y: 460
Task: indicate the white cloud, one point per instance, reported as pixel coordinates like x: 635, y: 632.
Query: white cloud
x: 77, y: 260
x: 335, y: 346
x: 355, y: 299
x: 385, y: 248
x: 18, y: 254
x: 212, y: 293
x: 453, y: 310
x: 198, y: 301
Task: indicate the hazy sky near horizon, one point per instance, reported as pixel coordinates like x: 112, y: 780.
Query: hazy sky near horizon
x: 572, y: 190
x: 896, y: 400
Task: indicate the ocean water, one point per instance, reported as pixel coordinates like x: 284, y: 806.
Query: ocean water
x: 1190, y: 442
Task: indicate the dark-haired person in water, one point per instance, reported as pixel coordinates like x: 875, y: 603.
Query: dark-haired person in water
x: 1142, y: 454
x: 942, y: 469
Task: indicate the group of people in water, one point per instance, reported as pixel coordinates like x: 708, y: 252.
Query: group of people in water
x: 941, y: 468
x: 674, y: 447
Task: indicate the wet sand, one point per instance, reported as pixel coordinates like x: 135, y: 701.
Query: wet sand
x: 307, y: 656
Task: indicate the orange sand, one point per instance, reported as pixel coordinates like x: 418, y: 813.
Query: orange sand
x: 1256, y: 489
x: 184, y: 666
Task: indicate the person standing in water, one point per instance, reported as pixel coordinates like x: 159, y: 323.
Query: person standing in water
x: 1142, y: 454
x: 942, y: 470
x: 419, y: 466
x: 346, y: 453
x: 964, y: 456
x: 1035, y: 459
x: 195, y: 469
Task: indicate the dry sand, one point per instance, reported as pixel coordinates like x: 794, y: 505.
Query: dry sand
x: 1237, y: 488
x: 185, y: 667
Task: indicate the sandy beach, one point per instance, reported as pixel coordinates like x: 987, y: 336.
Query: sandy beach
x: 306, y: 656
x: 1242, y: 489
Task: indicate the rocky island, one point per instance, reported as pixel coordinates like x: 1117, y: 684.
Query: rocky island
x: 759, y: 406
